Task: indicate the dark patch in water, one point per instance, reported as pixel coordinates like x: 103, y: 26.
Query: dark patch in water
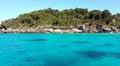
x: 64, y: 45
x: 104, y: 45
x: 94, y: 54
x: 14, y: 45
x: 59, y: 61
x: 108, y: 45
x: 37, y: 40
x: 80, y: 42
x: 21, y: 52
x: 0, y: 48
x: 91, y: 54
x: 117, y: 55
x: 78, y: 53
x: 31, y: 59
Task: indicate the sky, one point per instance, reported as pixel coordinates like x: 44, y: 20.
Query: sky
x: 12, y: 8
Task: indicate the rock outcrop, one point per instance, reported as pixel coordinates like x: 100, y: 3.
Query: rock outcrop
x: 49, y: 29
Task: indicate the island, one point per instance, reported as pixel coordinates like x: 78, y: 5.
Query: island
x: 78, y: 20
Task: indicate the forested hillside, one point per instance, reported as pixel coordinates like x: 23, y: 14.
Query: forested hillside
x: 65, y: 18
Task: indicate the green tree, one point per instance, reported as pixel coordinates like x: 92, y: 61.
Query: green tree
x: 95, y: 14
x: 107, y: 16
x: 64, y: 18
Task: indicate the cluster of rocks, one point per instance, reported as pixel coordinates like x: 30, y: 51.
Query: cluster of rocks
x: 34, y: 30
x: 102, y: 29
x: 49, y: 29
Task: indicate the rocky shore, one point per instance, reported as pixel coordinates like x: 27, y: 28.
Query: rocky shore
x: 78, y: 29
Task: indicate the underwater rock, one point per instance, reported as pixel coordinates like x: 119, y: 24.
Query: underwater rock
x: 60, y: 61
x: 64, y: 45
x: 80, y: 42
x: 37, y: 40
x: 31, y: 59
x: 91, y: 54
x: 117, y: 55
x: 94, y: 54
x: 108, y: 45
x: 21, y: 52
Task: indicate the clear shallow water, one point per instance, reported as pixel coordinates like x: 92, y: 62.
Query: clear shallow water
x: 59, y: 49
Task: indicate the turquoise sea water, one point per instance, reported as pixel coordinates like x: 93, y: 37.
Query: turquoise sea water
x: 59, y: 49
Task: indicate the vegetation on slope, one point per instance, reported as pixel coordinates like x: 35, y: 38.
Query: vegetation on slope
x: 65, y: 18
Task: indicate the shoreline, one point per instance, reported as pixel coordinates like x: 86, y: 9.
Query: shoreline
x: 51, y: 29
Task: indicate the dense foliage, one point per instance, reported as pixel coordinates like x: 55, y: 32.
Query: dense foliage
x: 65, y: 18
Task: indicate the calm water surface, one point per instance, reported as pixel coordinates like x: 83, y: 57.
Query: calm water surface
x: 59, y: 49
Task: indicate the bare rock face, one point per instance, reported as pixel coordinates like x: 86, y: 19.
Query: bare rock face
x: 76, y: 30
x: 82, y: 27
x: 92, y: 29
x: 99, y: 27
x: 48, y: 30
x: 102, y: 28
x: 107, y: 29
x: 118, y: 28
x: 58, y: 31
x: 114, y: 29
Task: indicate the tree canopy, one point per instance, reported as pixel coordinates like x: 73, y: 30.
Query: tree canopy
x: 68, y: 17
